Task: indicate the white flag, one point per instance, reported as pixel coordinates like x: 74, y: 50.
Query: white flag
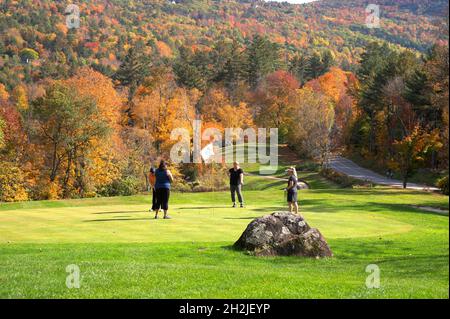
x: 207, y: 152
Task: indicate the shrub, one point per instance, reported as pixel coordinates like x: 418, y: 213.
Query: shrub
x: 308, y: 167
x: 12, y: 183
x: 443, y: 185
x: 190, y: 171
x: 203, y: 178
x: 182, y: 187
x: 127, y: 186
x: 343, y: 180
x: 213, y: 178
x: 52, y: 191
x: 43, y: 189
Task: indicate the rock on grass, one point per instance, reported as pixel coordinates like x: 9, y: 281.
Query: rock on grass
x: 283, y: 234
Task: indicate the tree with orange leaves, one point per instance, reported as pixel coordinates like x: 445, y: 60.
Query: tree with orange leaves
x: 20, y: 97
x: 274, y: 100
x: 66, y: 124
x: 211, y: 102
x: 2, y: 135
x: 235, y: 116
x: 310, y: 124
x: 411, y: 151
x: 335, y: 84
x: 4, y: 95
x: 3, y: 98
x: 107, y: 156
x: 163, y: 49
x: 160, y: 106
x: 217, y: 107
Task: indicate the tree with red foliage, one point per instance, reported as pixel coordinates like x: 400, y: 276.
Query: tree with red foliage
x: 274, y: 100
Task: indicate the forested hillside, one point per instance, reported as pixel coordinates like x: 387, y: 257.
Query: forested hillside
x: 85, y: 111
x: 109, y: 27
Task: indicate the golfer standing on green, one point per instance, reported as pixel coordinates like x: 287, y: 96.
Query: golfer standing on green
x: 164, y: 179
x: 236, y: 181
x: 292, y: 190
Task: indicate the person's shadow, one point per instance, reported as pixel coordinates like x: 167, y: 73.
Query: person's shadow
x: 118, y: 219
x: 121, y: 212
x: 203, y: 207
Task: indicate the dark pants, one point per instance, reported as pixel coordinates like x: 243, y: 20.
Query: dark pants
x: 153, y: 199
x: 236, y: 189
x: 162, y: 198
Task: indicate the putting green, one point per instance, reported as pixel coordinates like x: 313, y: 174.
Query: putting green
x: 133, y: 223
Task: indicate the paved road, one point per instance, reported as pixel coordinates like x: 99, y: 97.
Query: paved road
x: 347, y: 167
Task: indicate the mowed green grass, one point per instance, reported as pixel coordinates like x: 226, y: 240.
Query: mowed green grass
x: 122, y: 252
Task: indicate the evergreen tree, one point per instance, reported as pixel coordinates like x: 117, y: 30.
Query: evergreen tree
x: 133, y: 71
x: 372, y: 60
x: 418, y: 93
x: 263, y: 57
x: 192, y: 70
x: 314, y: 66
x: 298, y: 67
x: 234, y: 69
x: 327, y: 61
x: 373, y: 75
x: 220, y: 55
x: 318, y: 64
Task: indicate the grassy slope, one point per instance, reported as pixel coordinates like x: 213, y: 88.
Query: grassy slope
x: 123, y: 252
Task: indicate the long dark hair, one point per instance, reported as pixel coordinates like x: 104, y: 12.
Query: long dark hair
x: 162, y: 165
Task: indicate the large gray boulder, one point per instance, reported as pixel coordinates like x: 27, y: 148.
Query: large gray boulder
x: 283, y: 234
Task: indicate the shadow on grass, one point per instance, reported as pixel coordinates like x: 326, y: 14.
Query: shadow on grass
x: 117, y: 219
x: 270, y: 210
x: 423, y: 258
x: 233, y: 249
x: 410, y: 209
x: 230, y: 248
x: 274, y: 260
x: 254, y: 186
x: 121, y: 212
x: 316, y: 206
x: 203, y: 207
x: 369, y: 191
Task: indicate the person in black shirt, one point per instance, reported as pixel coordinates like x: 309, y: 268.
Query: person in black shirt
x: 236, y: 181
x: 292, y: 190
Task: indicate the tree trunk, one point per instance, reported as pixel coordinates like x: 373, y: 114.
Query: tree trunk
x: 147, y: 182
x: 372, y: 134
x: 55, y: 163
x: 390, y: 133
x: 67, y: 175
x: 434, y: 159
x: 80, y: 177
